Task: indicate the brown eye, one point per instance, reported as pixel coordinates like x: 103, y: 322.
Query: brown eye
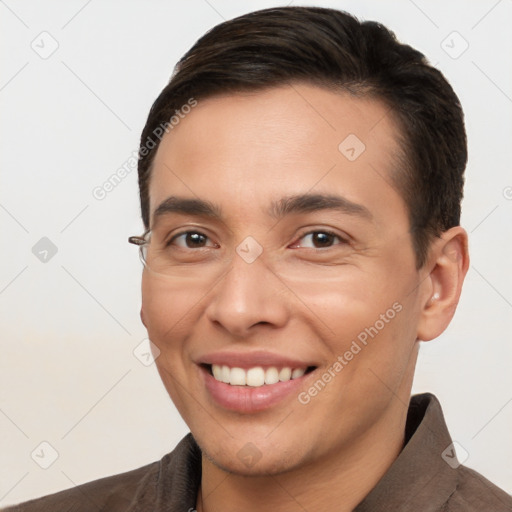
x: 322, y: 239
x: 319, y: 240
x: 190, y: 240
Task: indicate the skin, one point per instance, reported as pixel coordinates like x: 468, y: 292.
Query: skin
x: 240, y: 152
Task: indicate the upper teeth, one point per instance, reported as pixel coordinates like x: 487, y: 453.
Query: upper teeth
x: 256, y: 376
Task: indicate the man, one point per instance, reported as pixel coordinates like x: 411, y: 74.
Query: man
x: 300, y: 182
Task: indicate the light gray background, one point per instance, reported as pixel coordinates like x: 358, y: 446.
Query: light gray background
x: 69, y: 325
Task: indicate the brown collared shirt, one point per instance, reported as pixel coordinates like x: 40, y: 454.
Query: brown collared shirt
x: 426, y: 477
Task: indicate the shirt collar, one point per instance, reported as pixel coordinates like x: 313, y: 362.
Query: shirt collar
x: 419, y: 479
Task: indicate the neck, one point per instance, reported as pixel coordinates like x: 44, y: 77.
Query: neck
x: 337, y: 482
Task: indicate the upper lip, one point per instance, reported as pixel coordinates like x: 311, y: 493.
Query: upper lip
x: 251, y: 359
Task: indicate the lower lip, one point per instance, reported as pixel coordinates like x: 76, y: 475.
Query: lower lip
x: 250, y: 399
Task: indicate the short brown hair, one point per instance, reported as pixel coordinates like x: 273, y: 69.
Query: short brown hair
x: 332, y: 49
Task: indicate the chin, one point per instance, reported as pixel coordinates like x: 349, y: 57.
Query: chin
x: 251, y: 461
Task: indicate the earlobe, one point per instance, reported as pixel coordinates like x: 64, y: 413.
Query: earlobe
x: 449, y: 262
x: 142, y: 317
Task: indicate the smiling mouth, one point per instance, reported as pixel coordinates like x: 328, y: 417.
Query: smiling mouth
x: 256, y: 376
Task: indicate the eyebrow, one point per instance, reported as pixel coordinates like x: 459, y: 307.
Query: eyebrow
x: 306, y: 203
x: 187, y: 206
x: 296, y: 204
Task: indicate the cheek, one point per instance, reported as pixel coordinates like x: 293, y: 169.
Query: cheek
x: 168, y: 307
x: 348, y: 301
x: 366, y: 317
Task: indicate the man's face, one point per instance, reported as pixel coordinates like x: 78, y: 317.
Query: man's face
x: 275, y: 282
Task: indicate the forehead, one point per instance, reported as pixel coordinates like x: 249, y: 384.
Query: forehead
x: 243, y: 149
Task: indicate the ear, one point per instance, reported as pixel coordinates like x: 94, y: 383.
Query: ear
x: 449, y: 263
x: 142, y: 317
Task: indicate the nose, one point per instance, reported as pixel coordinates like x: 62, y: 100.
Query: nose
x: 249, y: 295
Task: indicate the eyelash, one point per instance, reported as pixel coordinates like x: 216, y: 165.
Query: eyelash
x: 302, y: 235
x: 342, y: 240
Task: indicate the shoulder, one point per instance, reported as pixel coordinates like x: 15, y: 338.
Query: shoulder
x: 474, y: 493
x: 174, y: 478
x: 112, y: 493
